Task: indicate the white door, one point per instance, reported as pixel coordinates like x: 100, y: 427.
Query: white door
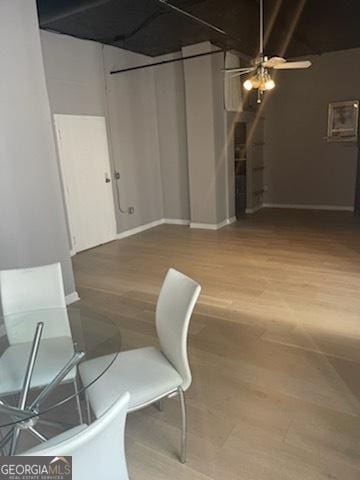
x: 85, y: 168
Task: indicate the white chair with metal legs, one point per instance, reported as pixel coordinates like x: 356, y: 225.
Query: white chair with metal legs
x: 97, y: 450
x: 29, y: 296
x: 149, y: 374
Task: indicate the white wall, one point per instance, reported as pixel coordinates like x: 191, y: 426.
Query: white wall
x: 302, y: 168
x: 32, y: 221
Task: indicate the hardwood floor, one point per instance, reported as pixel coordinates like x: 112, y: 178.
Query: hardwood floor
x: 274, y: 345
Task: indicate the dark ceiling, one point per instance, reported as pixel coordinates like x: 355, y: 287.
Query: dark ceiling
x: 294, y: 27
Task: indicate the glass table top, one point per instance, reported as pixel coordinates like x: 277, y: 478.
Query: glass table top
x: 40, y: 353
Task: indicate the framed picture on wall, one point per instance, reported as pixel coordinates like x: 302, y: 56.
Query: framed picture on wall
x: 343, y: 120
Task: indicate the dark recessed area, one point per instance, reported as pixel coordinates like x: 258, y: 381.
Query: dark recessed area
x: 146, y: 26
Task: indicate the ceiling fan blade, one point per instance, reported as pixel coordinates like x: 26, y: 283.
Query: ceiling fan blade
x: 293, y: 65
x: 273, y: 61
x: 233, y: 70
x: 240, y: 73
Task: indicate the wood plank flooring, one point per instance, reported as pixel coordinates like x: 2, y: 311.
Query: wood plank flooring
x: 274, y: 345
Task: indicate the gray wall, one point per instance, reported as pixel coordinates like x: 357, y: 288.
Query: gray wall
x: 230, y: 119
x: 302, y: 168
x: 171, y: 114
x: 32, y: 221
x: 200, y: 134
x: 221, y: 169
x: 134, y: 136
x: 206, y: 136
x: 147, y: 125
x: 74, y: 74
x: 77, y: 72
x: 74, y: 77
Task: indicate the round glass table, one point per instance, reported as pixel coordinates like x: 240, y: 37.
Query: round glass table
x: 41, y: 393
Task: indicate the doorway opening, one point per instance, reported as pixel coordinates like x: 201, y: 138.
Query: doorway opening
x: 240, y: 156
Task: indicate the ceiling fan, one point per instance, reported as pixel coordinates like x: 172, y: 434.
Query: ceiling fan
x: 261, y: 79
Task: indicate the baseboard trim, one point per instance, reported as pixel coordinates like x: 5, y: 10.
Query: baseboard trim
x: 222, y: 224
x: 141, y: 228
x: 213, y: 226
x: 176, y: 221
x: 71, y: 298
x: 254, y: 209
x: 204, y: 226
x: 147, y: 226
x: 339, y: 208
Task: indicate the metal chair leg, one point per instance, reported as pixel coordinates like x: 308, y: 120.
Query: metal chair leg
x: 26, y: 383
x: 88, y: 409
x: 183, y: 425
x: 36, y: 434
x: 160, y: 405
x: 78, y: 404
x: 2, y: 448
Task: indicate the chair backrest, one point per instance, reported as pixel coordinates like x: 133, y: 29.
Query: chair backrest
x: 98, y: 450
x: 175, y: 305
x: 34, y: 289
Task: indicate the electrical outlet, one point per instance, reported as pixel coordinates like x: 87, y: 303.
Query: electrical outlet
x: 266, y: 188
x: 131, y: 210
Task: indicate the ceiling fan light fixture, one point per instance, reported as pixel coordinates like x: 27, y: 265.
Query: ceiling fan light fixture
x: 248, y: 84
x: 269, y: 84
x: 261, y: 81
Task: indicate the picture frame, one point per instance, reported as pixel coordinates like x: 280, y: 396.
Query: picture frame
x: 343, y: 121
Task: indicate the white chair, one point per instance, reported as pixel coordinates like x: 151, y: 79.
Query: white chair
x: 149, y: 374
x: 97, y: 450
x: 29, y: 296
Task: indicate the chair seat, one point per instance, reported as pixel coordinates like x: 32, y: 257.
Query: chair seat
x: 145, y: 373
x: 53, y: 354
